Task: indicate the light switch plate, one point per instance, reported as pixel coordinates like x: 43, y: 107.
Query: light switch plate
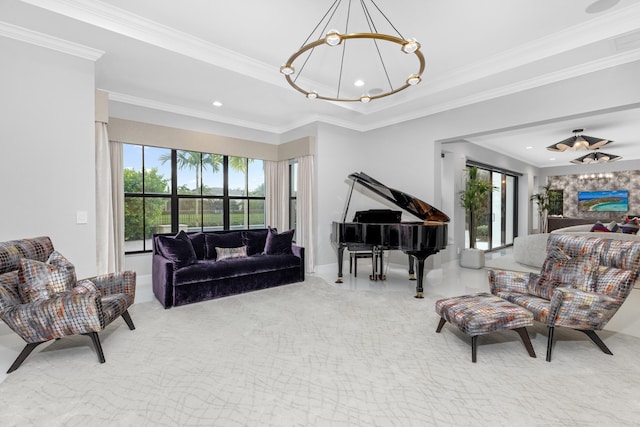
x: 81, y: 217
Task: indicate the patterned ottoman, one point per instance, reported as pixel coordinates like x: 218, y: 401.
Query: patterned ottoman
x: 482, y: 313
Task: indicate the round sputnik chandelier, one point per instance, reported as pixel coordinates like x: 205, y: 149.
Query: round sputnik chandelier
x: 348, y: 66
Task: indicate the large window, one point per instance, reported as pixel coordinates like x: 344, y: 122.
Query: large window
x: 188, y: 190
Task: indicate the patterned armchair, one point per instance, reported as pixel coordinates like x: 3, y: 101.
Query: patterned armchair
x: 40, y: 299
x: 583, y: 283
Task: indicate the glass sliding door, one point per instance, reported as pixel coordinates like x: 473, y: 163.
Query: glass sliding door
x: 503, y: 210
x: 497, y: 218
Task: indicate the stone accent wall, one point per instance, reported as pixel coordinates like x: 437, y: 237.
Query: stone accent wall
x: 572, y: 184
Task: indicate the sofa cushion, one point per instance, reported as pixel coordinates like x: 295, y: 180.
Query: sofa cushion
x: 178, y: 249
x: 278, y: 243
x: 210, y: 270
x: 228, y: 253
x: 221, y: 240
x: 254, y: 240
x: 41, y: 281
x: 560, y: 270
x: 539, y: 307
x: 198, y: 243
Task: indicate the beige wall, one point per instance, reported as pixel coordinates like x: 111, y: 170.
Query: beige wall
x: 133, y: 132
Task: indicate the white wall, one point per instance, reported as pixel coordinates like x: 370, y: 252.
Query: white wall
x: 47, y: 144
x: 463, y: 151
x: 406, y: 156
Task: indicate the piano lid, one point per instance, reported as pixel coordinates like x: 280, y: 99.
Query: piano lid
x: 407, y: 202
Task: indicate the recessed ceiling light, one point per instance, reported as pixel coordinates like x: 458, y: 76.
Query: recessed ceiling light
x: 529, y: 147
x: 217, y: 104
x: 552, y: 158
x: 358, y: 83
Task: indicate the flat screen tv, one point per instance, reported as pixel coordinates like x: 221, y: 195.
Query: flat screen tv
x: 603, y: 201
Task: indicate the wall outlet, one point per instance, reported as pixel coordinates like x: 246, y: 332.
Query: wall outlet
x: 458, y: 249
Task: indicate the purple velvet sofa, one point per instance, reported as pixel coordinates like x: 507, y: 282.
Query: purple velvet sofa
x: 192, y: 267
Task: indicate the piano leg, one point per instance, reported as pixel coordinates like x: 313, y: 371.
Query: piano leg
x: 340, y: 254
x: 419, y: 289
x: 377, y: 264
x: 412, y: 275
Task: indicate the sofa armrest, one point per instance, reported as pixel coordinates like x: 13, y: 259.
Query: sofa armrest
x: 162, y: 279
x: 299, y: 252
x: 578, y: 309
x: 74, y: 314
x: 509, y: 281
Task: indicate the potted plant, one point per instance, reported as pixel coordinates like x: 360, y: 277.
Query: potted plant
x: 471, y: 199
x: 543, y: 200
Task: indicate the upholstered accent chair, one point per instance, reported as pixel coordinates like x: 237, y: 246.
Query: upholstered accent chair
x: 41, y: 300
x: 583, y: 283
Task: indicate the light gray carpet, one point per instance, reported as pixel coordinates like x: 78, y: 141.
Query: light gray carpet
x: 314, y: 354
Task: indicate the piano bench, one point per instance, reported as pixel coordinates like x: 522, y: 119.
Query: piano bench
x: 353, y: 260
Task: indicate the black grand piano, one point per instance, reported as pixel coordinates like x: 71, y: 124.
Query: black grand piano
x: 381, y: 230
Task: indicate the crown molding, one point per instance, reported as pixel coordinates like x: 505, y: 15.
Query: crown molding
x: 549, y: 78
x: 603, y: 27
x: 49, y: 42
x: 189, y: 112
x: 546, y: 79
x: 120, y: 21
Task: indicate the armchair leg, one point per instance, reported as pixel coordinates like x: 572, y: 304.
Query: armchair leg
x: 549, y: 343
x: 26, y: 351
x: 596, y: 339
x: 96, y: 344
x: 128, y: 320
x: 524, y: 336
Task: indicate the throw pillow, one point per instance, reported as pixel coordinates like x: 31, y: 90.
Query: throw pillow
x: 560, y: 270
x: 221, y: 240
x: 254, y: 241
x: 40, y: 281
x: 599, y: 227
x: 278, y: 243
x: 227, y: 253
x: 198, y: 243
x: 57, y: 259
x: 178, y: 249
x: 629, y: 229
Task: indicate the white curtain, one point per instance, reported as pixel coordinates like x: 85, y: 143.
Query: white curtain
x: 304, y: 211
x: 117, y: 197
x: 109, y: 203
x: 277, y: 194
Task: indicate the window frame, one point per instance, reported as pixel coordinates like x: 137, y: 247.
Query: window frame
x: 175, y: 197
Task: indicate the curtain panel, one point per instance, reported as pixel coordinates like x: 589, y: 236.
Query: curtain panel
x: 277, y: 194
x: 305, y: 221
x: 109, y: 203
